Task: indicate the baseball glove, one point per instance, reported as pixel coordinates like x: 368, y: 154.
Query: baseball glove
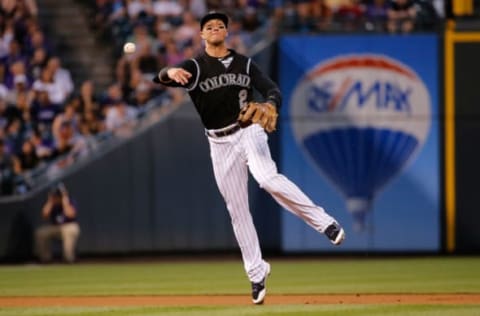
x: 264, y: 114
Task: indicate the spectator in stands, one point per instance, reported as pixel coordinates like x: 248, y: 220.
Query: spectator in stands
x: 23, y: 107
x: 57, y: 90
x: 401, y: 16
x: 38, y: 62
x: 7, y: 34
x: 427, y: 15
x: 120, y: 118
x: 322, y: 15
x: 3, y: 116
x: 113, y: 94
x: 303, y: 13
x: 185, y: 33
x: 235, y: 42
x: 285, y: 17
x: 262, y: 8
x: 37, y: 40
x: 140, y: 37
x: 19, y: 7
x: 136, y: 78
x: 14, y: 136
x: 215, y: 4
x: 123, y: 72
x: 14, y: 62
x: 21, y: 15
x: 350, y: 15
x: 91, y: 124
x: 43, y: 112
x: 173, y: 54
x: 3, y: 73
x: 197, y: 7
x: 163, y: 32
x: 237, y: 38
x: 61, y: 213
x: 61, y: 79
x: 77, y: 102
x: 61, y: 150
x: 136, y: 8
x: 277, y: 9
x: 87, y: 99
x: 7, y: 170
x: 17, y: 68
x: 68, y: 115
x: 101, y: 15
x: 91, y: 116
x: 141, y: 95
x: 118, y: 11
x: 27, y: 158
x: 117, y: 23
x: 30, y: 26
x: 43, y: 147
x: 69, y: 147
x: 250, y: 20
x: 10, y: 111
x: 171, y: 10
x: 147, y: 62
x: 376, y: 15
x: 20, y: 87
x: 130, y: 60
x: 68, y: 133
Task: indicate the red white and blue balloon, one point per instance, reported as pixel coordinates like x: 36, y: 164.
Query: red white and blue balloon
x: 360, y: 119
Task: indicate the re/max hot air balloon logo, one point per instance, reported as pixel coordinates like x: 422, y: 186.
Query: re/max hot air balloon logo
x: 360, y: 119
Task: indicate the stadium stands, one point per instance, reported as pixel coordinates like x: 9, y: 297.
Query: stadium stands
x: 47, y: 122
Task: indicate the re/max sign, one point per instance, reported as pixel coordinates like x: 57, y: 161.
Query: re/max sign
x: 384, y: 95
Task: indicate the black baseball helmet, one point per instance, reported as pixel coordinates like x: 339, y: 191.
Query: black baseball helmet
x: 214, y: 15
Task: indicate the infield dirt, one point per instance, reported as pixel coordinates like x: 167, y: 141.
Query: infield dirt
x: 195, y: 300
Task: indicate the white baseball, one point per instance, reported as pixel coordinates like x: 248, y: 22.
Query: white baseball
x: 129, y: 48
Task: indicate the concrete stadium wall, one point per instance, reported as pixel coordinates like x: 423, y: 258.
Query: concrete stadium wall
x: 155, y: 193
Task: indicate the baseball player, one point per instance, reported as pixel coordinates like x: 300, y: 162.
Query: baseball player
x: 220, y: 83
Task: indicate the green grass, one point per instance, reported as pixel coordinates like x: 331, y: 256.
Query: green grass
x: 280, y: 310
x: 397, y: 275
x: 425, y: 275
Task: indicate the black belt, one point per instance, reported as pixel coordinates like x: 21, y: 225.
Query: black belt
x: 226, y: 132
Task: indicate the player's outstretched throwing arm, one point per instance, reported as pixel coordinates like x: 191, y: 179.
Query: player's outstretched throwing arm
x: 177, y: 76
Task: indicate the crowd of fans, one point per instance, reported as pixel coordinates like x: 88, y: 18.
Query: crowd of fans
x: 170, y: 23
x: 46, y: 120
x: 393, y: 16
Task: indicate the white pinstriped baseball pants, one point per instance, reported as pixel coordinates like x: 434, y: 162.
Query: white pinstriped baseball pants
x: 232, y: 156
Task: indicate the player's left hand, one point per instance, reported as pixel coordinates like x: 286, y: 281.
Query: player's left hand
x: 264, y: 114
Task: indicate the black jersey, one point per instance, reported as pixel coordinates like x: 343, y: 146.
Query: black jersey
x: 219, y: 92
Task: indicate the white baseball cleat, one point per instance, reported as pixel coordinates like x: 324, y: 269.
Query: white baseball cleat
x: 335, y: 233
x: 259, y: 289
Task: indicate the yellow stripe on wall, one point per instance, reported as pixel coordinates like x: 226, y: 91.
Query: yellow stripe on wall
x: 450, y: 140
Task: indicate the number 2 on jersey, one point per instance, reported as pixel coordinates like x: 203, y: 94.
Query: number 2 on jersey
x: 242, y: 97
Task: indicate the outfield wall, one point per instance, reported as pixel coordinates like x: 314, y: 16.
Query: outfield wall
x: 352, y: 104
x: 155, y: 193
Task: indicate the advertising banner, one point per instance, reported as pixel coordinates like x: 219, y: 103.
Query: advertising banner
x: 360, y: 135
